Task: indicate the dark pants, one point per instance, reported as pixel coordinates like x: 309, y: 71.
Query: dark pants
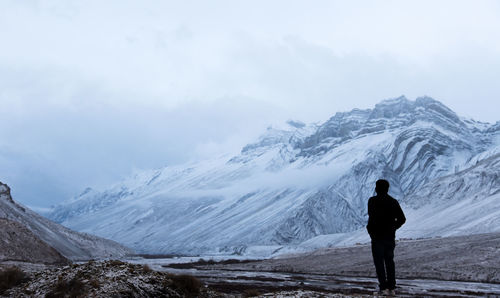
x: 383, y: 257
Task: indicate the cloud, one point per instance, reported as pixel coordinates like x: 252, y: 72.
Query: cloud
x: 50, y: 152
x: 90, y: 90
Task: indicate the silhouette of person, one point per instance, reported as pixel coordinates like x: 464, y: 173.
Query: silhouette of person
x: 385, y: 216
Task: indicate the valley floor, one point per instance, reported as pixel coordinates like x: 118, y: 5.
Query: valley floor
x: 464, y: 266
x: 474, y: 258
x: 279, y: 284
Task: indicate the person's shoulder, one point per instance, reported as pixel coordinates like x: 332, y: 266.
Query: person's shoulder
x: 393, y: 199
x: 372, y: 201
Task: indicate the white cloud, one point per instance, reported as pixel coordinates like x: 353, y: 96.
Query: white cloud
x: 91, y: 89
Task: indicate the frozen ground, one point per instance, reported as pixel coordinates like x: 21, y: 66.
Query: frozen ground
x: 234, y: 282
x: 465, y: 258
x: 464, y: 266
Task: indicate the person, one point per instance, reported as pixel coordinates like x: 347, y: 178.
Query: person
x: 385, y: 216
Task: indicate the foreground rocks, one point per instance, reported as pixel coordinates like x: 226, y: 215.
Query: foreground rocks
x: 118, y: 279
x: 106, y: 279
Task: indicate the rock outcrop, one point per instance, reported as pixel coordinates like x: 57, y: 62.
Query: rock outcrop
x: 108, y: 279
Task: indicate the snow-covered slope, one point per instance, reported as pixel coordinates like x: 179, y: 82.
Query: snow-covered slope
x: 464, y: 203
x: 71, y: 244
x: 294, y: 183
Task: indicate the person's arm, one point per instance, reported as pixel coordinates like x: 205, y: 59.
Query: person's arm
x: 400, y: 218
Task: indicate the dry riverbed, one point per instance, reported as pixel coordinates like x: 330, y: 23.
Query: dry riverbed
x: 464, y: 266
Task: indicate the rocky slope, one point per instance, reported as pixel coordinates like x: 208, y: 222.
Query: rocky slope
x: 304, y: 185
x: 33, y: 227
x: 17, y: 243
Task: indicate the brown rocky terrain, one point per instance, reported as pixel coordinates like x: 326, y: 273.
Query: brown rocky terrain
x: 115, y: 278
x: 17, y: 243
x: 107, y: 279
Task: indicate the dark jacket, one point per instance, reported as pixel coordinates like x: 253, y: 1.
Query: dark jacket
x: 384, y: 217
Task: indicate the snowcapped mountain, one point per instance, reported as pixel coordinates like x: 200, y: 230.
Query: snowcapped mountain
x: 44, y: 235
x: 300, y: 182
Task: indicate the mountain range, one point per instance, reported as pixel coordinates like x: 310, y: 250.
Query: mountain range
x: 303, y: 186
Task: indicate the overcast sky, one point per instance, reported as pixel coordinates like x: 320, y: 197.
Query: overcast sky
x: 91, y: 91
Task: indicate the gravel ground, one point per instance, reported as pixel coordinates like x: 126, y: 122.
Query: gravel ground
x: 106, y: 279
x: 465, y: 266
x: 473, y: 258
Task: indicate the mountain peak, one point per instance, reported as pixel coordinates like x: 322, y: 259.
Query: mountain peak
x: 394, y: 101
x: 429, y: 102
x: 5, y: 192
x: 426, y: 100
x: 394, y: 113
x: 391, y: 108
x: 296, y: 123
x: 4, y: 189
x: 423, y: 107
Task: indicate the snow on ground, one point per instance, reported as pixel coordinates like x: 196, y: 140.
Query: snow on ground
x: 469, y: 258
x: 464, y: 266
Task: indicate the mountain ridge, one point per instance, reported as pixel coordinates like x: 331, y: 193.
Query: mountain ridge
x: 291, y: 185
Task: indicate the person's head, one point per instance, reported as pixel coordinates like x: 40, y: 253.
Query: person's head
x: 382, y: 187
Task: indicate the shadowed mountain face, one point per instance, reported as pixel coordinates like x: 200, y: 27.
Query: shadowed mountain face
x: 35, y: 232
x: 296, y: 183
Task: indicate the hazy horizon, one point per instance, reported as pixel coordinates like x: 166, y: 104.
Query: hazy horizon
x: 93, y: 91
